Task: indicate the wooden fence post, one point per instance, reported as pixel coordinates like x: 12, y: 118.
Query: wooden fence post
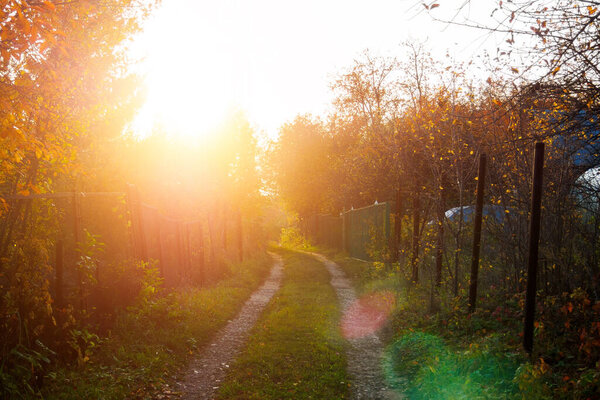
x: 415, y: 237
x: 59, y: 279
x: 212, y: 237
x: 534, y: 239
x: 240, y: 235
x: 224, y: 219
x: 188, y: 249
x: 477, y: 234
x: 317, y: 226
x: 439, y: 254
x: 157, y: 219
x: 137, y: 229
x: 398, y: 225
x: 344, y: 233
x: 179, y: 245
x: 201, y: 263
x: 78, y: 245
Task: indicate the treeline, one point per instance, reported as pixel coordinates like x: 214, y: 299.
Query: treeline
x: 395, y: 128
x: 411, y: 130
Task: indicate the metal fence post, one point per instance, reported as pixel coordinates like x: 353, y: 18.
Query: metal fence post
x: 240, y: 235
x: 179, y: 246
x: 439, y: 254
x: 137, y: 229
x: 78, y: 246
x: 201, y: 265
x: 415, y: 237
x: 477, y: 234
x: 534, y: 239
x: 59, y: 278
x: 398, y: 226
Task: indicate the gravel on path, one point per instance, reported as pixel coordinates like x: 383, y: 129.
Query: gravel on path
x: 364, y: 354
x: 208, y: 370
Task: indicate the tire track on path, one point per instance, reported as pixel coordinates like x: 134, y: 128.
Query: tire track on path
x: 364, y: 354
x: 208, y: 370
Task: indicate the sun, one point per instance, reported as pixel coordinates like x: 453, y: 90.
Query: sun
x: 191, y: 74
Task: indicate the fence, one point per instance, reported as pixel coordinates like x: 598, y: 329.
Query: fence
x: 366, y: 229
x: 99, y: 236
x: 360, y: 232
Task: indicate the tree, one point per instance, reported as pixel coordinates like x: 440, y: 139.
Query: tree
x: 64, y: 91
x: 299, y: 162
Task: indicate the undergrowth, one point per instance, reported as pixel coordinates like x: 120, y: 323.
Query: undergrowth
x: 154, y: 338
x: 451, y: 354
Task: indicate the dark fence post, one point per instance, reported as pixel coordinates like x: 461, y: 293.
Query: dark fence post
x: 179, y: 245
x: 440, y: 240
x: 158, y: 233
x: 240, y: 235
x: 212, y: 237
x: 224, y: 216
x: 317, y: 237
x: 534, y: 239
x: 201, y: 254
x: 78, y: 244
x: 59, y: 279
x: 398, y: 225
x: 187, y: 249
x: 344, y: 233
x: 137, y: 229
x: 415, y: 237
x: 477, y: 234
x: 387, y: 236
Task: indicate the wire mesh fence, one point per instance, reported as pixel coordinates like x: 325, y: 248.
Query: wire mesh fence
x: 360, y: 232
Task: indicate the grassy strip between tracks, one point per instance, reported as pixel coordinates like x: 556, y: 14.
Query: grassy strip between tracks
x: 295, y: 349
x: 156, y: 338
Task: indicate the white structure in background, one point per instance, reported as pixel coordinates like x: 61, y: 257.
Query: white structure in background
x: 587, y: 190
x: 490, y: 211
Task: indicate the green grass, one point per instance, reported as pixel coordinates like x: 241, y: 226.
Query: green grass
x: 295, y: 350
x: 430, y: 369
x: 154, y: 341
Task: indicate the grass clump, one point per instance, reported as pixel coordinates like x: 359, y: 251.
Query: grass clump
x: 429, y: 369
x: 295, y: 350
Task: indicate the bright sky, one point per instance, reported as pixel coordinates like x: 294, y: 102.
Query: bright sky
x: 273, y: 59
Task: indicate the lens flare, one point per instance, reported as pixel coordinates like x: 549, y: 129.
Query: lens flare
x: 367, y: 314
x: 423, y: 366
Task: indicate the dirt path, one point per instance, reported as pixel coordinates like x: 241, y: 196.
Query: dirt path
x: 209, y: 369
x: 364, y: 354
